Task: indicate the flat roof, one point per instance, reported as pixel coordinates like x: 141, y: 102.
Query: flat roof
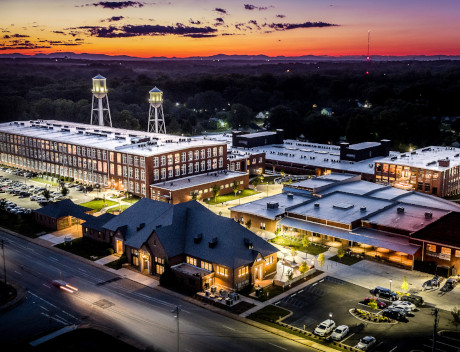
x: 257, y: 134
x: 360, y: 235
x: 190, y: 270
x: 363, y: 145
x: 312, y: 183
x: 104, y: 137
x: 198, y: 180
x: 428, y: 200
x: 259, y: 207
x: 341, y: 207
x: 356, y: 187
x: 411, y: 219
x: 425, y: 158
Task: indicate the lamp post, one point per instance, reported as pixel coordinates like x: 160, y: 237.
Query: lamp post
x: 177, y: 310
x: 390, y: 284
x: 330, y: 315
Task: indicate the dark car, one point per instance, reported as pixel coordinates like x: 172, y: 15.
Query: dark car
x: 395, y: 314
x: 449, y: 285
x: 384, y: 293
x: 417, y: 300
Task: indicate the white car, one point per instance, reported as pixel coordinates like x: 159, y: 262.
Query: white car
x: 340, y: 332
x: 408, y: 305
x: 325, y: 327
x: 366, y: 343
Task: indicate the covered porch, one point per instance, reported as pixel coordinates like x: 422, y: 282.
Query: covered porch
x: 370, y: 243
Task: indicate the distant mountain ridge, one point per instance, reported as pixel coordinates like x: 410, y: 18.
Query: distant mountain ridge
x: 224, y: 57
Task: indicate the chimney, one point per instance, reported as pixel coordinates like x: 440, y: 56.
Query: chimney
x: 316, y: 205
x: 428, y: 215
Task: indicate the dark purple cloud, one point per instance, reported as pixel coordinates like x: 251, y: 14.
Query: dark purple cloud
x: 200, y: 35
x: 117, y: 4
x: 219, y: 20
x: 19, y: 36
x: 254, y: 22
x: 253, y: 7
x: 58, y: 32
x: 288, y: 26
x: 194, y: 22
x: 113, y: 19
x: 280, y: 16
x: 148, y: 30
x: 218, y: 9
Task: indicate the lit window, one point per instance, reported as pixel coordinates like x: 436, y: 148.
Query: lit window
x: 191, y: 260
x: 222, y: 271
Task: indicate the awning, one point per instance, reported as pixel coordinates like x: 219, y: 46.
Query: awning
x: 371, y: 237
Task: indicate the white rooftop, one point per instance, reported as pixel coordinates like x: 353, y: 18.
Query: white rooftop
x: 425, y: 158
x: 104, y: 137
x: 198, y: 180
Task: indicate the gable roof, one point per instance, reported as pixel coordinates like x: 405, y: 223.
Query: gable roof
x: 445, y: 231
x: 64, y: 208
x: 98, y: 222
x: 191, y: 229
x: 140, y: 220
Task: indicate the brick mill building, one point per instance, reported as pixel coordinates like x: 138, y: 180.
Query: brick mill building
x: 114, y: 158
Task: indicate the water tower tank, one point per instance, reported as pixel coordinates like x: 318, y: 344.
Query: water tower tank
x: 99, y: 86
x: 156, y: 97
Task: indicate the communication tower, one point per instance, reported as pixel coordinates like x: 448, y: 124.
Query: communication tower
x: 100, y: 111
x: 156, y: 117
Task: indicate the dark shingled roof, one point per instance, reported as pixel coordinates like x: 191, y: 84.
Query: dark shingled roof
x: 64, y: 208
x: 98, y: 222
x: 444, y: 231
x: 189, y: 228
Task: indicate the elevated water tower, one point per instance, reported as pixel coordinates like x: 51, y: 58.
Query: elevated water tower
x: 156, y: 116
x: 100, y: 112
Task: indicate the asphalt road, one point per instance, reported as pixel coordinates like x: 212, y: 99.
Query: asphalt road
x: 120, y: 306
x: 314, y: 303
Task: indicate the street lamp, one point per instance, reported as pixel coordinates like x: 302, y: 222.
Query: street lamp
x: 390, y: 284
x: 177, y: 310
x: 330, y: 315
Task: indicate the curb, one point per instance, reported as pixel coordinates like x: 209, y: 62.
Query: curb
x: 21, y: 294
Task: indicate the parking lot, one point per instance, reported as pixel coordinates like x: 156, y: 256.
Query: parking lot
x: 10, y: 181
x: 331, y: 297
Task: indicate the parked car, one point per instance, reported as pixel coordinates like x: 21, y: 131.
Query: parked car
x: 366, y: 343
x: 380, y: 304
x: 432, y: 283
x: 384, y: 293
x: 340, y: 332
x: 325, y: 327
x: 449, y: 285
x: 409, y: 306
x: 417, y: 300
x: 396, y: 314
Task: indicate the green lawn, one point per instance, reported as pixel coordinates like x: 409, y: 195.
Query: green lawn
x: 346, y: 259
x: 130, y: 200
x: 98, y: 204
x: 87, y: 248
x: 297, y: 245
x: 231, y: 196
x: 270, y: 312
x: 123, y: 208
x: 24, y: 224
x: 42, y: 180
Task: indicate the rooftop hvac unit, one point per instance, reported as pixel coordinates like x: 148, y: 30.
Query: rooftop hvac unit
x: 400, y: 210
x: 213, y: 242
x: 362, y: 208
x: 428, y: 215
x: 290, y: 196
x: 272, y: 205
x: 316, y: 205
x: 197, y: 239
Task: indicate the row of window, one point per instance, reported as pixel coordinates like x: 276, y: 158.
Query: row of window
x: 179, y: 170
x: 207, y: 266
x: 444, y: 250
x: 187, y: 156
x: 206, y: 190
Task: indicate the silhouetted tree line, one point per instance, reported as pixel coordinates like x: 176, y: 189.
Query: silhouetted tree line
x: 408, y: 99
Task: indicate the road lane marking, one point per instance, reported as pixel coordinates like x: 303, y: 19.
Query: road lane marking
x: 301, y: 291
x: 46, y: 285
x: 228, y: 327
x: 55, y: 259
x: 17, y: 272
x: 293, y: 294
x: 393, y: 348
x: 44, y: 308
x: 70, y: 315
x: 347, y: 337
x: 278, y: 346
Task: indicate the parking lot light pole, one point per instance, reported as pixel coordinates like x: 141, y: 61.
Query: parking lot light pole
x: 330, y: 315
x: 390, y: 284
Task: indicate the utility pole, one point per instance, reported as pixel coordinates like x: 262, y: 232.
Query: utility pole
x: 4, y: 264
x: 436, y: 320
x: 177, y: 310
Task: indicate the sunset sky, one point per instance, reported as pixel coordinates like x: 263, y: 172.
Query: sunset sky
x: 182, y: 28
